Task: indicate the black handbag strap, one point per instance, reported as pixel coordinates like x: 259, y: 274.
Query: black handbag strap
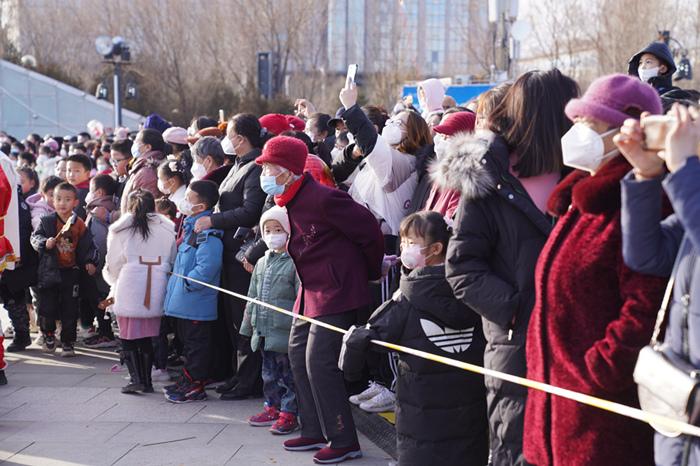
x: 666, y: 302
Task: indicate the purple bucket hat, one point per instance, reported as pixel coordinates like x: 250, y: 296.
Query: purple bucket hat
x: 609, y: 97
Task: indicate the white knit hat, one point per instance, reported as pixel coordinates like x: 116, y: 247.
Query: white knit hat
x: 276, y: 213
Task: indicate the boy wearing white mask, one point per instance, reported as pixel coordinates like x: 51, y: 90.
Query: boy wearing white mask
x: 275, y: 282
x: 654, y: 65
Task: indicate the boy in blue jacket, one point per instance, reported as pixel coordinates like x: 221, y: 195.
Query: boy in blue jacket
x: 194, y: 306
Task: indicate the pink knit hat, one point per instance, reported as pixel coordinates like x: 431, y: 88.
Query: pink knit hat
x: 609, y: 98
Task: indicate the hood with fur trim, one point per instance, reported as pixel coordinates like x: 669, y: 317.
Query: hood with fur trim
x: 465, y: 167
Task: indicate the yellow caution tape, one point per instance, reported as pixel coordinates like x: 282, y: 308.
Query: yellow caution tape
x: 656, y: 420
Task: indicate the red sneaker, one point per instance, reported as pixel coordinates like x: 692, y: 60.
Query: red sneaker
x: 266, y: 418
x: 286, y: 424
x: 330, y: 455
x: 305, y: 444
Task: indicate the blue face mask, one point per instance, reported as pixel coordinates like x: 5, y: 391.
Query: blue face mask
x: 135, y: 151
x: 269, y: 185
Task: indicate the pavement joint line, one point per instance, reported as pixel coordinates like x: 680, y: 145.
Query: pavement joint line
x: 118, y: 432
x: 18, y: 452
x: 217, y: 434
x: 126, y: 453
x: 234, y: 454
x: 16, y: 407
x: 105, y: 411
x: 97, y: 394
x: 169, y: 441
x: 199, y: 411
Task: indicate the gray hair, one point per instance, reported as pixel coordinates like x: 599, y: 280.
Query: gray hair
x: 209, y: 146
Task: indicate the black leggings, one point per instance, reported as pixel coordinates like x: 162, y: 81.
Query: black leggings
x: 143, y: 344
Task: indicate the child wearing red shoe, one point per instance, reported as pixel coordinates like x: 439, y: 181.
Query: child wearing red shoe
x: 275, y: 282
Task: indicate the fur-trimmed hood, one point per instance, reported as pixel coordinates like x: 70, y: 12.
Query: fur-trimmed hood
x: 465, y: 167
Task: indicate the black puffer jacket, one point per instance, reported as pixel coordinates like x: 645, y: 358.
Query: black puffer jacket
x: 441, y: 410
x: 498, y: 235
x: 241, y: 201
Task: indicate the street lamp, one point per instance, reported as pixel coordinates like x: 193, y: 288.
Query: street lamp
x: 116, y: 51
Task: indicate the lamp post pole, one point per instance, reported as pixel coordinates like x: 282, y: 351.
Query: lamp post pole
x: 117, y: 95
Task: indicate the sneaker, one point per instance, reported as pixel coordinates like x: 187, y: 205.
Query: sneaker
x: 285, y: 424
x: 85, y: 333
x: 159, y: 375
x: 305, y: 444
x: 39, y: 341
x: 67, y: 351
x: 330, y: 455
x: 192, y: 391
x: 180, y: 381
x: 266, y: 418
x: 372, y: 391
x: 384, y: 401
x: 100, y: 341
x: 49, y: 345
x: 9, y: 332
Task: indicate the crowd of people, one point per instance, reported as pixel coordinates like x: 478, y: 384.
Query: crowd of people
x: 532, y: 231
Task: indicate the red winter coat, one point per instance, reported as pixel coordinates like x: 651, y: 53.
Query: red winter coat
x: 592, y: 315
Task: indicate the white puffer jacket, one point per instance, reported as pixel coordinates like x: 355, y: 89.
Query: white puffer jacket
x: 385, y: 183
x: 127, y: 266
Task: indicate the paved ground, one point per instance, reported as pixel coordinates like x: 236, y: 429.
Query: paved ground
x: 70, y: 412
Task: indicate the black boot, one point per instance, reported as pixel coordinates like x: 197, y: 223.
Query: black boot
x: 147, y: 364
x: 3, y: 378
x: 133, y: 363
x: 19, y: 342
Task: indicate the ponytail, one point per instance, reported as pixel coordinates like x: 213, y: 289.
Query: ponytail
x: 141, y: 204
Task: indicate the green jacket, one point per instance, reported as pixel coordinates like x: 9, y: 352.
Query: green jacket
x: 277, y: 274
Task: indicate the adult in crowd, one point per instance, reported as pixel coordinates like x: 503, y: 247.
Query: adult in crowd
x: 505, y: 176
x: 209, y: 160
x: 140, y: 252
x: 654, y: 65
x: 322, y: 138
x: 652, y: 244
x: 240, y: 205
x: 487, y: 102
x: 592, y: 314
x: 337, y: 249
x: 147, y: 152
x: 386, y: 182
x: 120, y: 158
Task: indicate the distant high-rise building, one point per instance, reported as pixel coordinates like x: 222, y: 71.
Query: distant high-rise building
x: 421, y: 37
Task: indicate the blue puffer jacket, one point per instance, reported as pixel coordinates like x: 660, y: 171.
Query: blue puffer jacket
x: 651, y: 245
x: 200, y: 257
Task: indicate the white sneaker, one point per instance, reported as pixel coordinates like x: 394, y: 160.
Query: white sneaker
x: 159, y: 375
x: 39, y: 341
x: 372, y: 391
x: 85, y: 333
x: 383, y: 402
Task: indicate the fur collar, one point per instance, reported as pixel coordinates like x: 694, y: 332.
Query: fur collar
x: 465, y: 166
x: 591, y: 194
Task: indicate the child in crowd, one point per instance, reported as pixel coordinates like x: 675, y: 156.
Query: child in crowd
x: 93, y: 288
x: 61, y: 169
x: 441, y: 410
x: 195, y: 306
x: 78, y: 169
x: 26, y: 159
x: 275, y: 282
x: 41, y: 203
x: 165, y: 206
x: 28, y: 181
x: 65, y: 247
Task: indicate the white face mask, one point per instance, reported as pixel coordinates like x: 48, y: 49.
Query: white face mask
x: 275, y: 241
x: 646, y: 74
x: 412, y: 256
x: 336, y: 154
x: 583, y: 148
x: 198, y: 171
x: 185, y: 207
x: 351, y: 138
x: 162, y: 188
x: 440, y: 146
x: 392, y: 134
x: 89, y: 198
x: 227, y: 146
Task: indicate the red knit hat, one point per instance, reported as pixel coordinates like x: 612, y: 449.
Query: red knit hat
x: 285, y: 151
x: 295, y: 123
x: 275, y: 123
x: 457, y: 122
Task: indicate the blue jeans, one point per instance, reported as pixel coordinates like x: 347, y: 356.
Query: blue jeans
x: 278, y: 383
